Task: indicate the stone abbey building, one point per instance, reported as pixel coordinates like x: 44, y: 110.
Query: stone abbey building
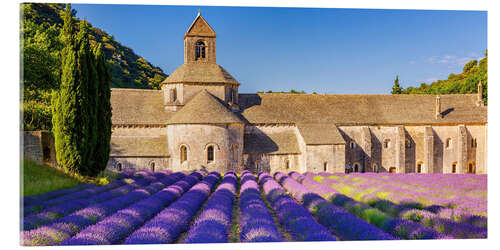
x: 199, y: 120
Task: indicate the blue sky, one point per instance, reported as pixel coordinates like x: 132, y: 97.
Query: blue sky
x: 334, y: 51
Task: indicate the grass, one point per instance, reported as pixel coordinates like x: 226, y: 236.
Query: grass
x: 39, y: 179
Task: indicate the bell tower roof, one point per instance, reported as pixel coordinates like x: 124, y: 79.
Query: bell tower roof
x: 200, y: 28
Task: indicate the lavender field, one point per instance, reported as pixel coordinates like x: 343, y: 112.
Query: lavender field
x: 197, y: 207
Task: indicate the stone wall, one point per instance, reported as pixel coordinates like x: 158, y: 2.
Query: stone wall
x: 38, y: 146
x: 271, y: 163
x: 138, y: 163
x: 197, y: 138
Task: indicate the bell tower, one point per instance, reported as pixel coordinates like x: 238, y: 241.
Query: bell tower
x: 199, y: 42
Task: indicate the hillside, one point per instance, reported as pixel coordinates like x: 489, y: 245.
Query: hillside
x: 462, y: 83
x: 41, y: 45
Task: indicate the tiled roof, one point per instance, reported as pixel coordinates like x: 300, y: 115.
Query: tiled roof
x: 320, y: 134
x: 209, y: 73
x: 271, y: 143
x: 132, y: 146
x: 204, y: 108
x: 360, y: 109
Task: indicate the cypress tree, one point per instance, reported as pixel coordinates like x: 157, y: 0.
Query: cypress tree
x: 88, y: 83
x: 103, y: 111
x: 68, y: 128
x: 396, y: 89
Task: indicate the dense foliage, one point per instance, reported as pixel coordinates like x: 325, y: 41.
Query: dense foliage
x: 41, y: 44
x: 462, y: 83
x: 81, y: 111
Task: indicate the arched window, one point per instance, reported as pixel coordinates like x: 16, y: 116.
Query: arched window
x: 471, y: 169
x: 352, y: 145
x: 375, y: 167
x: 200, y: 49
x: 184, y: 154
x: 119, y: 166
x: 387, y: 143
x: 356, y: 167
x: 454, y: 167
x: 448, y: 143
x: 152, y: 166
x: 287, y: 164
x: 325, y: 166
x: 210, y: 154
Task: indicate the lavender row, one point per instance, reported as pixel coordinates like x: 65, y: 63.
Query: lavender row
x: 115, y: 228
x: 447, y: 226
x: 39, y: 198
x: 174, y: 220
x: 295, y: 218
x: 68, y: 226
x: 214, y: 223
x: 52, y: 213
x: 29, y: 210
x: 257, y: 223
x: 339, y: 222
x: 399, y: 228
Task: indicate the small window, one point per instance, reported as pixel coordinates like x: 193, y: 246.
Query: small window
x: 454, y: 167
x: 325, y: 166
x: 448, y: 143
x: 387, y: 143
x: 184, y: 155
x: 287, y: 164
x: 375, y: 168
x: 200, y: 50
x: 119, y: 166
x: 356, y: 167
x: 419, y: 167
x: 407, y: 143
x: 353, y: 145
x: 152, y: 166
x: 474, y: 142
x: 470, y: 168
x: 173, y: 94
x: 210, y: 154
x: 235, y: 152
x: 392, y: 170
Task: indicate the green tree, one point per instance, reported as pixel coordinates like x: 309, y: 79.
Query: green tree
x: 88, y: 84
x: 396, y: 88
x: 103, y: 112
x: 69, y: 118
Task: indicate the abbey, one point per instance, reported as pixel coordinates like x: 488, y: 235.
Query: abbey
x: 199, y: 120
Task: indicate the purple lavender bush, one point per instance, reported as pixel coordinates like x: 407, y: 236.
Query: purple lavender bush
x: 29, y: 210
x: 75, y: 222
x: 257, y: 223
x: 115, y: 228
x: 214, y: 223
x: 39, y: 198
x: 174, y: 220
x: 339, y: 222
x: 55, y: 212
x: 295, y: 218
